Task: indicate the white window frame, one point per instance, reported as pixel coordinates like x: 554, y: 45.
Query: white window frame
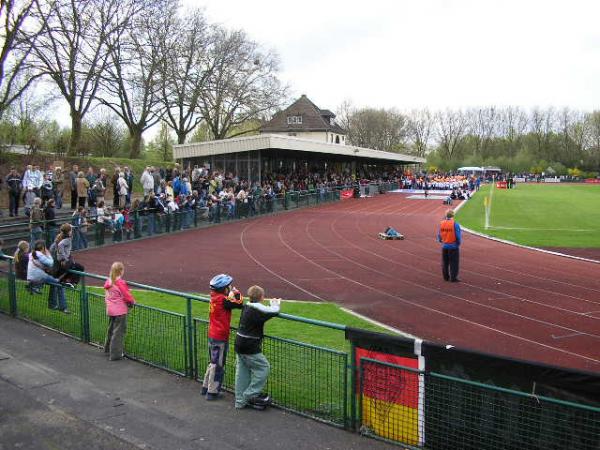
x: 294, y: 120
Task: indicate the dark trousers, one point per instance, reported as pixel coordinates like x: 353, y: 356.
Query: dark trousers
x: 450, y: 258
x: 73, y: 199
x: 13, y: 203
x: 115, y: 336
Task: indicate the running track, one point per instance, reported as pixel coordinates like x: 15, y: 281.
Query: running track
x: 512, y: 301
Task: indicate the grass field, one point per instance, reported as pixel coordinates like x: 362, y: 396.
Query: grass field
x: 309, y: 334
x: 539, y: 215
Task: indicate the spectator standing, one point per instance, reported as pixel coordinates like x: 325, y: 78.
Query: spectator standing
x: 114, y: 182
x: 82, y: 185
x: 129, y: 178
x: 27, y: 180
x: 36, y: 220
x: 50, y: 218
x: 450, y: 236
x: 47, y: 191
x: 37, y: 179
x: 118, y: 302
x: 13, y: 184
x: 21, y: 260
x: 98, y: 188
x: 252, y: 367
x: 156, y: 178
x: 223, y: 299
x: 147, y: 182
x: 73, y: 183
x: 123, y: 189
x: 58, y: 187
x: 28, y: 199
x: 80, y: 228
x: 91, y: 179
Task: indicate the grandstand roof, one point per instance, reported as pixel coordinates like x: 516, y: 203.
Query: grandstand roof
x: 275, y: 141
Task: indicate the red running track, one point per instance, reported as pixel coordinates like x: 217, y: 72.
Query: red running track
x: 511, y: 301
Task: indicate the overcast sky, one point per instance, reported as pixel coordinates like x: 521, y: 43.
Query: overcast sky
x: 428, y: 53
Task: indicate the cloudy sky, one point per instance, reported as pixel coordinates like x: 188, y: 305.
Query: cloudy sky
x: 428, y: 53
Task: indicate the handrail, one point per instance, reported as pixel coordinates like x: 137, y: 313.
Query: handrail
x: 206, y: 299
x: 93, y: 218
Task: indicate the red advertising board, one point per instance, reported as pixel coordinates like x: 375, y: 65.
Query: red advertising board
x: 593, y: 180
x: 501, y: 184
x: 346, y: 193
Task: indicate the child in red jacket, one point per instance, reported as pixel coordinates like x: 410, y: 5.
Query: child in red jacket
x: 223, y: 299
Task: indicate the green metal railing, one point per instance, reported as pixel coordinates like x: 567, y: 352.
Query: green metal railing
x: 435, y: 411
x: 414, y: 408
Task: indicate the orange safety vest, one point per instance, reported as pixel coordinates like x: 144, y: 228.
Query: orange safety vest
x: 447, y: 232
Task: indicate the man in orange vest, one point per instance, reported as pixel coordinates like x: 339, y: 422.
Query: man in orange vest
x: 450, y: 236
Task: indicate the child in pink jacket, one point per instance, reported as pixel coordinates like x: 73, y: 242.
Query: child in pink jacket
x: 118, y: 302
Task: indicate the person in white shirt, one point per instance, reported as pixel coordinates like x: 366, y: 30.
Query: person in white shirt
x: 147, y: 181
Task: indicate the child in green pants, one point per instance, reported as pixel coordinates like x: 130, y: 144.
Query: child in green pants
x: 252, y: 367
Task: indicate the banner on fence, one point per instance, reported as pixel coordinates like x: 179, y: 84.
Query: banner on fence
x: 592, y: 180
x: 390, y: 399
x: 501, y: 184
x: 347, y: 193
x: 552, y: 180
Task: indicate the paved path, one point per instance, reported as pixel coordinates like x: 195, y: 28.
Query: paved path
x: 57, y: 393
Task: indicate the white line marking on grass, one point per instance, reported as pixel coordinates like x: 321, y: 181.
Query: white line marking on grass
x: 550, y: 252
x: 542, y: 229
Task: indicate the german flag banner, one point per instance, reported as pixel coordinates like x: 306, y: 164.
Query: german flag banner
x: 389, y: 387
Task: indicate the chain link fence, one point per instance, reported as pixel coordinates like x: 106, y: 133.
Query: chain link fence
x: 411, y: 407
x: 435, y: 411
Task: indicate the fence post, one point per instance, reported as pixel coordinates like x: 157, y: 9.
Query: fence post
x: 85, y: 312
x: 12, y: 289
x: 353, y: 369
x: 189, y: 326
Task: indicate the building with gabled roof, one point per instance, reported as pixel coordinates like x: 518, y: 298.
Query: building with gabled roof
x: 305, y: 120
x: 301, y: 138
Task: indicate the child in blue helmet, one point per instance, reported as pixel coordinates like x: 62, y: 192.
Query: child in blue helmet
x: 223, y: 299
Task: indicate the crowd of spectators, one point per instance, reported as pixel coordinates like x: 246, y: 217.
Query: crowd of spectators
x: 107, y: 202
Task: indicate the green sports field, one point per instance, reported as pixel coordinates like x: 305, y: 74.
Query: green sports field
x: 539, y: 215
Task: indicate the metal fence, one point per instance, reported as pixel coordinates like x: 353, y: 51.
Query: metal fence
x: 434, y: 411
x: 413, y: 408
x: 304, y: 378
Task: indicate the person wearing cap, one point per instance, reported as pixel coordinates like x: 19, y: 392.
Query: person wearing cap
x: 450, y: 236
x: 223, y: 299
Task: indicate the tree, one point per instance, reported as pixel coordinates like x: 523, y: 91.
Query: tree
x: 18, y: 35
x: 451, y: 129
x: 242, y: 84
x: 73, y: 51
x: 420, y: 124
x: 512, y: 125
x: 380, y: 129
x: 162, y: 144
x: 185, y: 71
x: 542, y: 126
x: 483, y: 128
x: 106, y: 136
x: 131, y: 85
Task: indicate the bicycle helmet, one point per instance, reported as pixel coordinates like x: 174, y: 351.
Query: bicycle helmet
x: 220, y: 281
